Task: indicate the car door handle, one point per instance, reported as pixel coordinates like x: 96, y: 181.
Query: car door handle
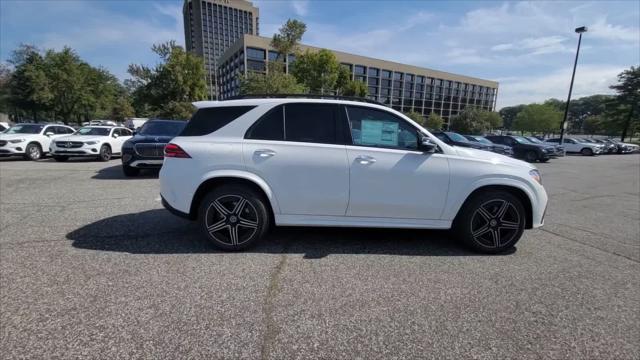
x: 365, y: 159
x: 264, y: 153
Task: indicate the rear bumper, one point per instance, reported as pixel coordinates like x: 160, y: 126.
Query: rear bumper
x: 175, y: 211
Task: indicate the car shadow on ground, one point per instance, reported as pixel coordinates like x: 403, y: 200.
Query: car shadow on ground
x: 159, y: 232
x: 115, y: 173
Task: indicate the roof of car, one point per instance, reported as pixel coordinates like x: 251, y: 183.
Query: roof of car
x: 260, y: 101
x: 103, y: 126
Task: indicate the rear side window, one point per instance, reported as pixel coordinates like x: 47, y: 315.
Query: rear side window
x: 208, y: 120
x: 313, y: 123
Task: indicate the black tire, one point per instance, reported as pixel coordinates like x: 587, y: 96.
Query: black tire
x: 586, y: 152
x: 531, y: 156
x: 544, y: 160
x: 130, y: 171
x: 219, y: 217
x: 33, y: 152
x: 105, y: 153
x: 480, y: 220
x: 60, y: 158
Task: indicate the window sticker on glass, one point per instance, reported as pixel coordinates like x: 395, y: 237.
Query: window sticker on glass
x: 376, y: 132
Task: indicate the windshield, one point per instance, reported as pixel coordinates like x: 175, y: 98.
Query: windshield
x: 534, y: 140
x: 480, y: 139
x: 165, y: 128
x: 25, y: 129
x: 521, y: 140
x: 457, y: 137
x: 93, y: 131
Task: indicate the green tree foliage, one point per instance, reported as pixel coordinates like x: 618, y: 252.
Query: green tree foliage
x: 627, y: 101
x: 28, y: 87
x: 288, y: 37
x: 434, y: 122
x: 538, y: 118
x: 5, y: 76
x: 473, y: 120
x: 274, y: 82
x: 509, y: 114
x: 416, y: 116
x: 317, y: 70
x: 168, y: 88
x: 354, y: 88
x: 593, y: 124
x: 122, y: 109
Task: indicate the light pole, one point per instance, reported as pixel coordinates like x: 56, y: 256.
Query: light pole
x: 579, y: 30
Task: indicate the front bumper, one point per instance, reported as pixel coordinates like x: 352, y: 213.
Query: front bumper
x: 132, y: 159
x: 85, y: 150
x: 11, y: 151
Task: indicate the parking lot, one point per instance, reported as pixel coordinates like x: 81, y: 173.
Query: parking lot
x: 92, y: 265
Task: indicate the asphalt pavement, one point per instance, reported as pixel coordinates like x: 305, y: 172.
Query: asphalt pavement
x: 91, y: 265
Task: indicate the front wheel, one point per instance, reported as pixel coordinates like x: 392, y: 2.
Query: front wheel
x: 491, y: 222
x: 233, y: 217
x: 531, y: 156
x: 586, y: 152
x: 105, y: 153
x: 33, y: 152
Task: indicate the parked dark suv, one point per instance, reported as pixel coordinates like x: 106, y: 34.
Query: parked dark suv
x: 145, y: 150
x: 523, y: 148
x: 455, y: 139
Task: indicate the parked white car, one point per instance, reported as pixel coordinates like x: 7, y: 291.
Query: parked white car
x: 101, y: 142
x: 31, y: 140
x: 241, y: 166
x: 576, y: 145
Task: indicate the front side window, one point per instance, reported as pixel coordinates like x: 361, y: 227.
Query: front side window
x: 377, y: 128
x: 25, y: 129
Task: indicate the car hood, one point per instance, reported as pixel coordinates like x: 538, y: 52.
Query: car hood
x: 16, y: 136
x: 151, y: 139
x: 492, y: 157
x: 83, y: 138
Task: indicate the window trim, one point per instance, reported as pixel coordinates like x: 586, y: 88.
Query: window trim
x: 349, y: 141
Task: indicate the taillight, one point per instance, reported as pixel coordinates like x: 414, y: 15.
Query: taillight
x: 175, y: 151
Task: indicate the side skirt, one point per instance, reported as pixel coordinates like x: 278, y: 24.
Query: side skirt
x: 353, y: 221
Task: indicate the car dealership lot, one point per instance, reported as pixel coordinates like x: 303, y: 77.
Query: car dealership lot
x: 92, y: 265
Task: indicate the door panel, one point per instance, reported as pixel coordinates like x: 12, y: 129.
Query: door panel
x: 306, y: 178
x: 397, y: 183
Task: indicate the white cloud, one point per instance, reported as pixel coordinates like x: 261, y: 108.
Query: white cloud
x: 603, y: 30
x: 590, y: 79
x: 536, y: 46
x: 300, y: 7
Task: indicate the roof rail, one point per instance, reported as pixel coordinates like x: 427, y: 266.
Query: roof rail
x: 304, y: 96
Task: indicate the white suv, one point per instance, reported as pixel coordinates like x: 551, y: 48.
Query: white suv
x: 31, y: 140
x: 101, y: 142
x: 575, y: 145
x: 241, y: 166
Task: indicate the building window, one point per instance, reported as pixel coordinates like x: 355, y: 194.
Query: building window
x: 386, y: 74
x: 273, y: 56
x: 253, y: 53
x: 360, y: 70
x: 374, y: 72
x: 397, y: 76
x: 373, y: 81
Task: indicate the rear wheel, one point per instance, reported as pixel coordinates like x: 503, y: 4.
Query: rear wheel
x: 60, y: 158
x: 586, y: 152
x: 491, y: 222
x: 33, y: 152
x: 233, y: 217
x: 531, y: 156
x: 105, y: 153
x: 130, y: 171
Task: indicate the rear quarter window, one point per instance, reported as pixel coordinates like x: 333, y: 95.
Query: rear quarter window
x: 208, y: 120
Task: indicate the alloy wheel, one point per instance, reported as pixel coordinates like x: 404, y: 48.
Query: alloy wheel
x: 231, y: 220
x: 495, y: 223
x: 34, y: 152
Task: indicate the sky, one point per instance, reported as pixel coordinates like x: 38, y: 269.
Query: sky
x: 528, y: 47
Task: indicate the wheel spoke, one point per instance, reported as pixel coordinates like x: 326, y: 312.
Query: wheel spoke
x: 221, y: 209
x: 217, y: 226
x: 247, y: 223
x: 495, y: 233
x: 503, y: 210
x: 483, y: 230
x: 239, y: 206
x: 484, y: 213
x: 233, y: 232
x: 509, y: 225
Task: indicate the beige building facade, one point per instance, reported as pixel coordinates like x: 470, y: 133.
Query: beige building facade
x: 400, y: 86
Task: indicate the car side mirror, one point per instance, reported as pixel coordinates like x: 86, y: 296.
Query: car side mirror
x: 426, y: 145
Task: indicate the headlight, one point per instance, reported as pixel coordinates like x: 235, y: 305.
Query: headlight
x: 535, y: 174
x: 92, y: 142
x: 15, y: 141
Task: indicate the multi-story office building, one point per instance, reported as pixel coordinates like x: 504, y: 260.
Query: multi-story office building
x: 211, y: 26
x: 402, y: 87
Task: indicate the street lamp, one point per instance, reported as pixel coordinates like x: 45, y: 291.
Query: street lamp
x: 579, y: 30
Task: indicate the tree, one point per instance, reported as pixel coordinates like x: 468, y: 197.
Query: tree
x: 628, y: 97
x: 355, y: 88
x: 122, y: 109
x: 317, y: 70
x: 270, y: 83
x: 416, y: 116
x: 288, y: 37
x: 592, y: 124
x: 5, y: 76
x: 509, y: 114
x: 28, y: 87
x: 168, y: 88
x: 490, y: 119
x: 536, y: 118
x: 434, y: 122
